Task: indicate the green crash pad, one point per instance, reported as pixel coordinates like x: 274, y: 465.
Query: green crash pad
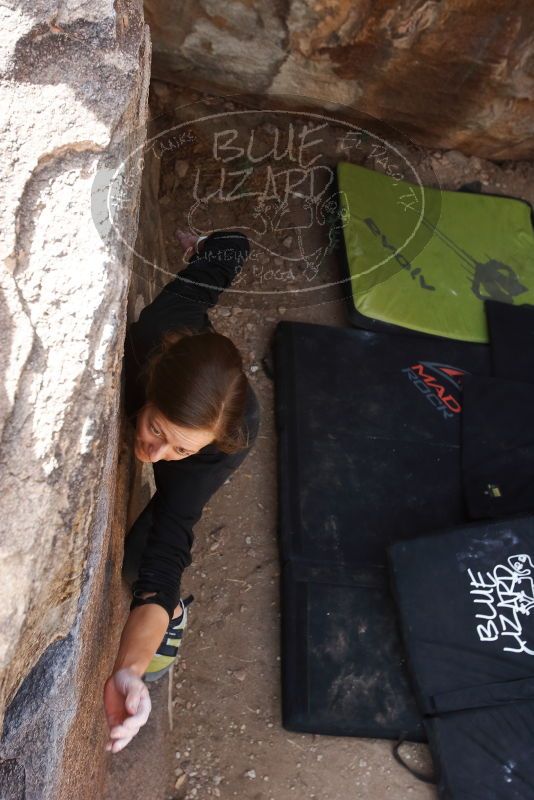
x: 426, y: 259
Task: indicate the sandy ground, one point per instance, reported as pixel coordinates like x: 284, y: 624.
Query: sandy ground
x: 227, y: 740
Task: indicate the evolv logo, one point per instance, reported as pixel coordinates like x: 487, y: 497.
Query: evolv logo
x: 440, y: 383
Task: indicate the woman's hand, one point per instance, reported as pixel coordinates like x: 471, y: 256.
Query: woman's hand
x: 188, y: 241
x: 126, y: 699
x: 127, y: 705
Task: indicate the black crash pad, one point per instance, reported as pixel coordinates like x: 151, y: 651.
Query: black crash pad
x: 369, y: 453
x: 497, y: 447
x: 343, y: 670
x: 465, y: 600
x: 511, y: 331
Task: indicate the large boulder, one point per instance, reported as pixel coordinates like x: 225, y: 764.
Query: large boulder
x: 75, y: 87
x: 447, y: 73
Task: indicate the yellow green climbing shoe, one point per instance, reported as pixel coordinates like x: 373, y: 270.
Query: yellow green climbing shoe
x: 168, y: 651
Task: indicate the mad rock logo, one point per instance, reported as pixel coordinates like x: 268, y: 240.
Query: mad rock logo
x: 504, y: 599
x: 440, y: 384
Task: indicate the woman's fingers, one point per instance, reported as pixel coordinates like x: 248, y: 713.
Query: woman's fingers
x: 119, y: 739
x: 136, y: 707
x: 129, y: 726
x: 119, y: 744
x: 186, y: 239
x: 133, y: 699
x: 138, y: 704
x: 113, y: 703
x: 124, y: 730
x: 144, y: 707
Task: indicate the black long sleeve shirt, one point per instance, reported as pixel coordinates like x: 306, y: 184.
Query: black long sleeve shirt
x: 182, y: 487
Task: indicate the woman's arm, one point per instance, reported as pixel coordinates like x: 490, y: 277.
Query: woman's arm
x: 183, y: 489
x: 126, y: 698
x: 141, y: 637
x: 184, y: 301
x: 196, y: 288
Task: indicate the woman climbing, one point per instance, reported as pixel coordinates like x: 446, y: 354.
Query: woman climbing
x: 196, y: 418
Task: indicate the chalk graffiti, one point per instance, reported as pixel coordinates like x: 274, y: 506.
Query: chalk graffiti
x: 503, y: 598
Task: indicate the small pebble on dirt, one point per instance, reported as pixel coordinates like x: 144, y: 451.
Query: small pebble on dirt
x: 180, y: 781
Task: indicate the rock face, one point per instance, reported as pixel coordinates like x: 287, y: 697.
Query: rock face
x: 446, y: 73
x: 145, y: 767
x: 75, y: 81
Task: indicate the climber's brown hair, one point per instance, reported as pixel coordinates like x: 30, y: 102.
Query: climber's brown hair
x: 196, y: 380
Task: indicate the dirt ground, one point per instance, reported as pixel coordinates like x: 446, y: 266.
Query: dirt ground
x: 227, y: 740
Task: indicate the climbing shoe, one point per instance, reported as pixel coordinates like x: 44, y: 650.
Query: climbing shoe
x: 168, y: 651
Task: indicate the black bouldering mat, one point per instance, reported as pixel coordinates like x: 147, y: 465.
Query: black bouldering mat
x: 333, y: 619
x: 484, y: 753
x: 497, y: 447
x: 369, y: 453
x: 369, y: 438
x: 511, y: 331
x: 465, y: 600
